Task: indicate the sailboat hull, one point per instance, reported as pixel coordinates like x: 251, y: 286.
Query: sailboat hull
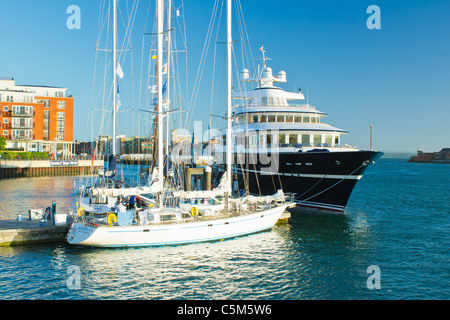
x: 174, y: 234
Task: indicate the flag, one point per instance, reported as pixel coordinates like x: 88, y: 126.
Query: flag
x: 164, y: 87
x: 153, y: 89
x: 119, y: 71
x: 118, y: 100
x: 155, y: 102
x: 93, y: 157
x: 261, y: 49
x: 164, y: 69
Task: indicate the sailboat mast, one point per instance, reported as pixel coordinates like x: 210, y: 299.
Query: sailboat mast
x: 229, y: 80
x: 114, y: 78
x: 160, y: 87
x: 169, y: 26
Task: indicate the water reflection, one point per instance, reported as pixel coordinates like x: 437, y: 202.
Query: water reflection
x: 21, y: 194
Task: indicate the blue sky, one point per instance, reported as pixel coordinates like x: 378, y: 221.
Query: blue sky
x: 396, y: 78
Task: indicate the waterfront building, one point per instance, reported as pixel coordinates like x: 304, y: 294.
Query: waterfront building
x: 36, y: 118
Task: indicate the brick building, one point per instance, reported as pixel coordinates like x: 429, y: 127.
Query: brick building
x: 36, y: 118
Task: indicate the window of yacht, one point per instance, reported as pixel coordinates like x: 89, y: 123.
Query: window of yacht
x: 336, y: 140
x: 289, y: 119
x: 271, y: 118
x: 269, y: 139
x: 263, y: 118
x: 264, y: 101
x: 255, y: 119
x: 281, y: 138
x: 270, y: 101
x: 328, y: 139
x: 293, y: 138
x: 250, y: 119
x: 305, y: 139
x: 317, y: 139
x: 280, y: 118
x: 313, y: 119
x: 298, y: 118
x: 306, y: 119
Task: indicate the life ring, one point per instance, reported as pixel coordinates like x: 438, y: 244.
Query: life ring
x: 80, y: 211
x: 194, y: 211
x: 111, y: 219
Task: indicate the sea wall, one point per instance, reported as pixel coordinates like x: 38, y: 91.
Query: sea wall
x: 38, y: 168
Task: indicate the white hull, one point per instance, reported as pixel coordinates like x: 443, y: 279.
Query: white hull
x: 174, y: 234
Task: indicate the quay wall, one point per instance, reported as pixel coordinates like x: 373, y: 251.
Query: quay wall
x: 37, y: 168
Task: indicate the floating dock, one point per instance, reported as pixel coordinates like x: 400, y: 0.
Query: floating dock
x: 14, y: 232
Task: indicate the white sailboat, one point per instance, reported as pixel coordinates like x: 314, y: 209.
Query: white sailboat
x: 102, y: 194
x: 162, y: 225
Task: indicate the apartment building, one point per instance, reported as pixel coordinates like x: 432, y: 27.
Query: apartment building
x: 36, y: 118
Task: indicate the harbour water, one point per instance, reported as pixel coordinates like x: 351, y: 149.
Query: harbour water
x: 398, y: 219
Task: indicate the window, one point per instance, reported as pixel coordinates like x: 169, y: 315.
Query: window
x: 269, y: 138
x: 328, y: 139
x: 60, y: 125
x: 293, y: 138
x: 250, y: 119
x: 5, y: 108
x: 255, y: 119
x: 280, y: 118
x: 336, y: 140
x: 46, y: 121
x: 313, y: 119
x: 306, y: 139
x: 263, y: 118
x: 264, y: 101
x: 5, y: 132
x: 317, y: 139
x: 298, y: 118
x: 306, y: 119
x: 5, y: 120
x: 281, y: 138
x: 60, y: 104
x: 271, y: 118
x: 289, y: 119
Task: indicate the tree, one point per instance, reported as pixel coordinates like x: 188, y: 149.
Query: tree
x: 2, y: 143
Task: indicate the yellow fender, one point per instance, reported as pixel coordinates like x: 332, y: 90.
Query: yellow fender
x: 111, y: 219
x: 80, y: 211
x: 151, y: 205
x: 194, y: 211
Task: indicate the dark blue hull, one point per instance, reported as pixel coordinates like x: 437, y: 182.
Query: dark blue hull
x: 320, y: 180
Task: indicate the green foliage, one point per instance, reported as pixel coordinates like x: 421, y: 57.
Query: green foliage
x: 2, y: 143
x: 9, y: 155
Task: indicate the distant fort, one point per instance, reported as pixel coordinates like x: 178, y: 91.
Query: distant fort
x: 442, y: 156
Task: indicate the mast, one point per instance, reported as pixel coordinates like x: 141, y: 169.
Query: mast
x: 160, y: 87
x: 114, y: 78
x: 169, y: 26
x: 229, y: 80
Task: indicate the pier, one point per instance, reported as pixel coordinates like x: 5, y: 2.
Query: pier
x: 38, y: 168
x: 14, y: 232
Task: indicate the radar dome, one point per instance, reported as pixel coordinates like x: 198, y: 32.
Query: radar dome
x: 281, y: 75
x: 245, y: 74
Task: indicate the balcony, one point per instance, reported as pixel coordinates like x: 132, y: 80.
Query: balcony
x: 18, y: 113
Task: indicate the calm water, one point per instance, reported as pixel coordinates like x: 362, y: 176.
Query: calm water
x: 398, y: 219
